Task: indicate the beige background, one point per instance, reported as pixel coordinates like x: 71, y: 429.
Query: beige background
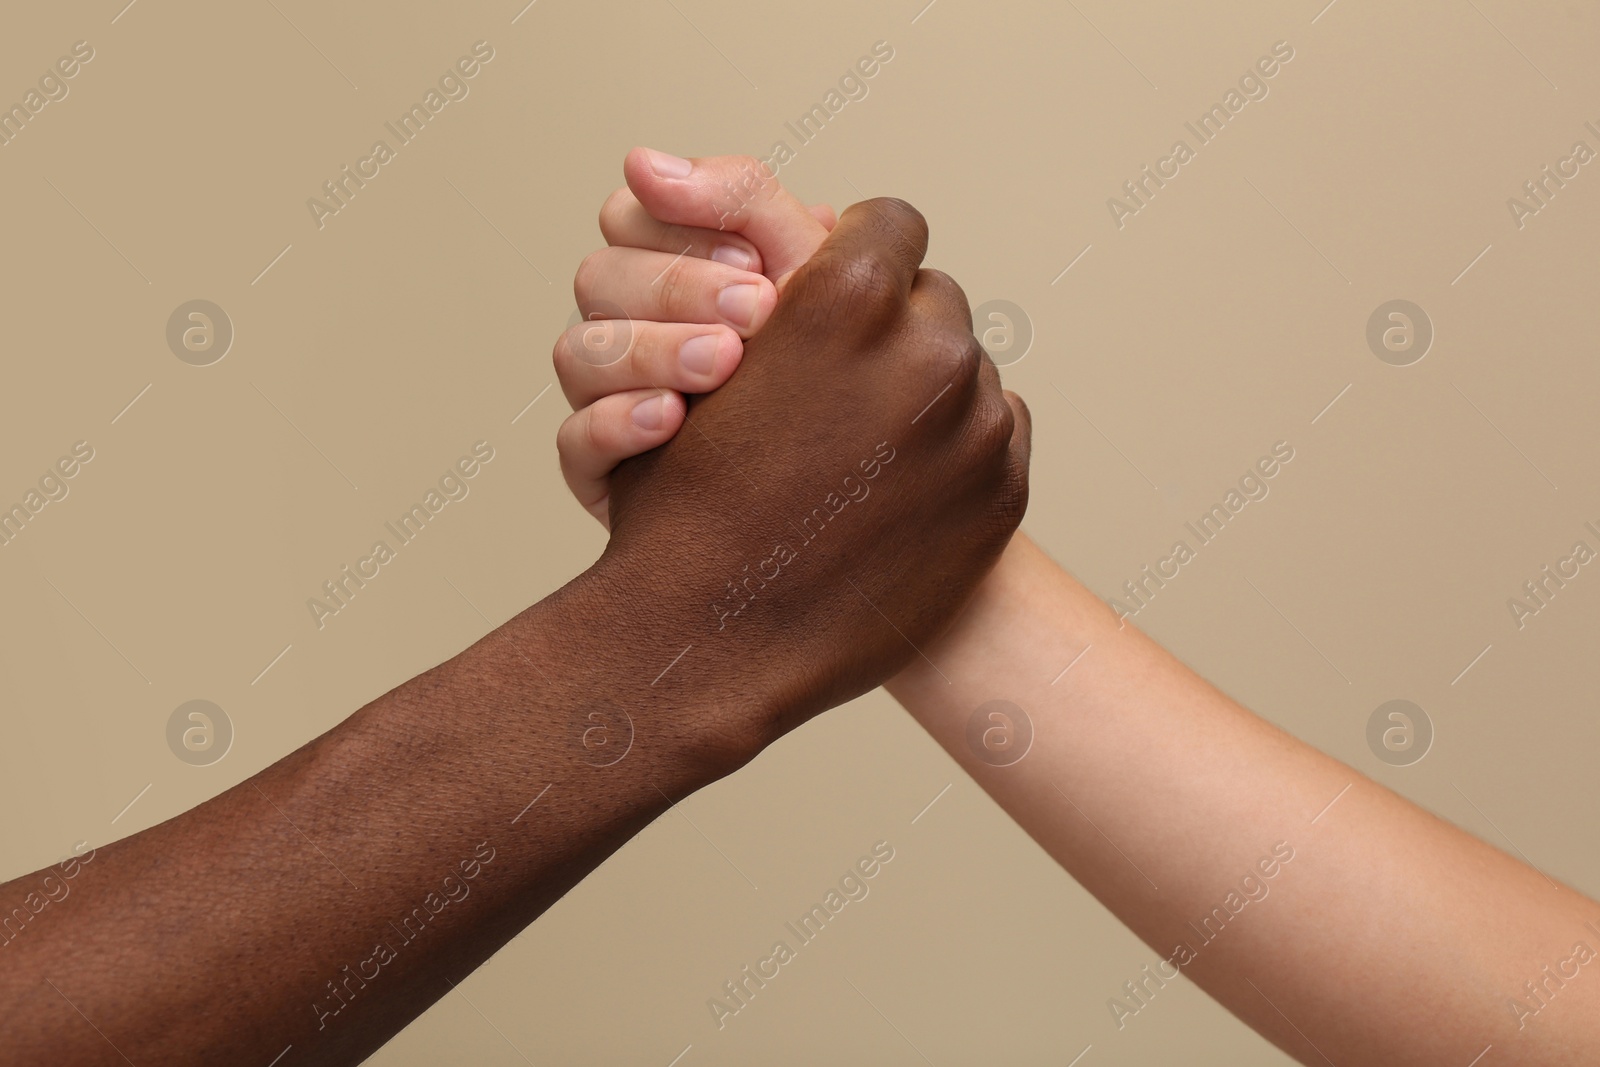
x: 1225, y: 316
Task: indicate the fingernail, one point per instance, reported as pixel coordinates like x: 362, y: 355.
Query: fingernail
x: 647, y: 414
x: 699, y: 354
x: 668, y: 166
x: 733, y: 256
x: 737, y: 303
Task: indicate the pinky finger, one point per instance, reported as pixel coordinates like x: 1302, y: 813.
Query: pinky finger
x: 595, y: 439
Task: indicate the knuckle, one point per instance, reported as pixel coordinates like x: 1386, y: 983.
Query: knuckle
x: 687, y: 241
x: 585, y: 438
x: 966, y: 357
x: 751, y: 174
x: 567, y: 437
x: 946, y: 289
x: 672, y: 291
x: 588, y: 273
x: 614, y: 211
x: 601, y: 343
x: 868, y: 277
x: 744, y: 166
x: 743, y: 180
x: 1011, y: 496
x: 652, y: 359
x: 859, y: 293
x: 639, y: 361
x: 1016, y: 402
x: 953, y: 359
x: 591, y: 437
x: 949, y: 353
x: 993, y: 423
x: 1003, y: 422
x: 561, y: 354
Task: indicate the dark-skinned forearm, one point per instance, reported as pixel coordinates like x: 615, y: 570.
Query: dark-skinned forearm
x: 760, y: 570
x: 330, y: 899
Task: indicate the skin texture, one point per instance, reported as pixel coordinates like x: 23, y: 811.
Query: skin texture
x: 321, y: 905
x: 622, y: 369
x: 1391, y: 937
x: 858, y: 318
x: 1381, y: 934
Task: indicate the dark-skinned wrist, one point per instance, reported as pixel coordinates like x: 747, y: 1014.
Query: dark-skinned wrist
x: 628, y: 652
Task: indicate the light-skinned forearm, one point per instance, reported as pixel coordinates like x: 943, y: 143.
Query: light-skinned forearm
x: 1389, y: 936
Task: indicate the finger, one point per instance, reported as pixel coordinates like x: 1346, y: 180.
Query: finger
x: 624, y: 221
x: 941, y: 297
x: 685, y: 357
x: 662, y: 287
x: 824, y: 214
x: 941, y: 300
x: 1021, y: 447
x: 593, y: 440
x: 877, y: 242
x: 1022, y: 430
x: 734, y: 194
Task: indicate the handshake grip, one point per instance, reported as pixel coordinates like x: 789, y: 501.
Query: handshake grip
x: 822, y: 517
